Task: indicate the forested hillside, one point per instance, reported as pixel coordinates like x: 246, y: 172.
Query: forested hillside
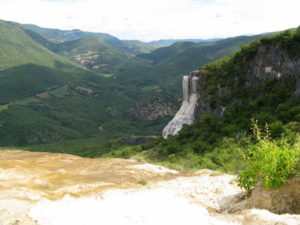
x: 258, y: 92
x: 57, y: 87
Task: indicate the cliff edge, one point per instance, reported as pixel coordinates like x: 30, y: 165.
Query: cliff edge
x: 260, y: 78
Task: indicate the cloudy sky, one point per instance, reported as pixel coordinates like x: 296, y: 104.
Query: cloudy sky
x: 157, y: 19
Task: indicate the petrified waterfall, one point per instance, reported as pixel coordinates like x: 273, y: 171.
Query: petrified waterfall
x: 186, y: 114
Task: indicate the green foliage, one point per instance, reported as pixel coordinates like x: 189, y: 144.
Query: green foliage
x: 270, y: 161
x: 57, y: 36
x: 289, y: 39
x: 142, y: 182
x: 84, y: 147
x: 151, y: 144
x: 165, y: 53
x: 216, y: 142
x: 276, y: 129
x: 200, y: 146
x: 29, y: 67
x: 75, y: 122
x: 94, y: 53
x: 124, y: 152
x: 17, y: 48
x: 249, y: 51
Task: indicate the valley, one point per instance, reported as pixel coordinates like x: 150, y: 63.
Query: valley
x: 53, y: 75
x: 146, y: 112
x: 86, y: 128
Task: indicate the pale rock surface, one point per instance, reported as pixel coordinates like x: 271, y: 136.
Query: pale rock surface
x: 187, y: 111
x: 153, y: 168
x: 283, y: 200
x: 60, y: 189
x: 201, y: 199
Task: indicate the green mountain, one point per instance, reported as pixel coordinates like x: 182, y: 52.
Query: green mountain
x: 95, y: 54
x: 47, y: 98
x: 138, y: 47
x: 168, y: 42
x: 54, y: 91
x: 132, y: 46
x: 189, y: 49
x: 58, y: 36
x: 17, y: 48
x: 170, y: 63
x: 246, y: 111
x: 260, y: 82
x: 28, y: 68
x: 165, y: 53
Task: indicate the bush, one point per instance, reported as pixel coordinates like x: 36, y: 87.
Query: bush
x: 200, y: 147
x: 276, y: 129
x: 270, y: 162
x: 151, y: 144
x: 172, y: 149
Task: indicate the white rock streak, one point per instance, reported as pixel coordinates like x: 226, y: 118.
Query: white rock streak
x: 169, y: 202
x: 153, y: 168
x: 201, y: 199
x: 186, y: 114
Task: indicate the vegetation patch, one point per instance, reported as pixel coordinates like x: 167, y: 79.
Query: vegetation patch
x: 142, y: 182
x: 269, y: 162
x: 225, y: 142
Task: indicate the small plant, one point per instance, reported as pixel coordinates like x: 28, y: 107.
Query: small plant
x: 139, y: 158
x: 270, y: 162
x: 216, y: 173
x: 142, y: 182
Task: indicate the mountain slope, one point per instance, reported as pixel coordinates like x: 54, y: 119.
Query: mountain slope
x: 58, y: 36
x: 170, y: 63
x: 95, y: 54
x: 168, y: 42
x: 166, y: 53
x: 189, y: 49
x: 17, y: 48
x: 261, y: 81
x: 46, y: 97
x: 27, y: 68
x: 137, y: 47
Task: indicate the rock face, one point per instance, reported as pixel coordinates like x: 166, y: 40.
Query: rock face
x: 272, y: 63
x: 187, y: 112
x: 201, y: 95
x: 280, y: 201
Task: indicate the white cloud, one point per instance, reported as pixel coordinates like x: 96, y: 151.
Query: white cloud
x: 157, y: 19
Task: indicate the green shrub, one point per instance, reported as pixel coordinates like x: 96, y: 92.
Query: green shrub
x: 151, y: 144
x: 294, y: 126
x: 142, y: 182
x: 172, y: 149
x: 200, y: 147
x: 270, y: 162
x: 276, y: 129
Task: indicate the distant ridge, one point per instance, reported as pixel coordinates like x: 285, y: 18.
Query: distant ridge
x: 167, y: 42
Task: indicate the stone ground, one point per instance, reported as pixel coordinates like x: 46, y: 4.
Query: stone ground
x: 60, y: 189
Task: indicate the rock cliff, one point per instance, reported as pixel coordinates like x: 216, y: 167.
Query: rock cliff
x: 268, y: 69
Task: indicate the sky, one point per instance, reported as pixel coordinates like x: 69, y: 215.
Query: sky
x: 148, y: 20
